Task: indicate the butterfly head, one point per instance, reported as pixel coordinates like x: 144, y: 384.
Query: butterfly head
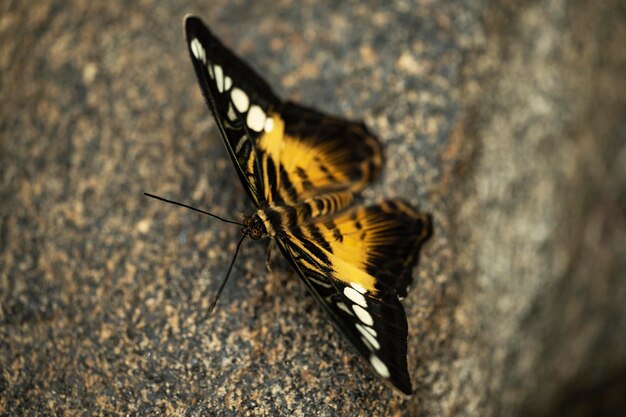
x: 253, y: 227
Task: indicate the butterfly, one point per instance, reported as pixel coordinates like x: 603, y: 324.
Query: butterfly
x: 302, y: 169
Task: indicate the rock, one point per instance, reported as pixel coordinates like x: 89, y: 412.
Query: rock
x: 540, y: 221
x: 504, y: 119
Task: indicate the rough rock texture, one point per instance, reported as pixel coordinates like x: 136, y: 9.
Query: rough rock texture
x: 505, y: 119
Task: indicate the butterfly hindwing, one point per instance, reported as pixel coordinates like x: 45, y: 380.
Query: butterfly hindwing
x: 322, y: 153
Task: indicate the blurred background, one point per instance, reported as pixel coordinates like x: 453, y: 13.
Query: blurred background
x: 504, y: 119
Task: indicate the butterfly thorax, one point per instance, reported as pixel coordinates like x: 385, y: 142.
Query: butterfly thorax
x: 268, y: 221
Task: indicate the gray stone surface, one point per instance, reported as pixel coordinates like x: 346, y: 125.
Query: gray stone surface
x: 504, y: 119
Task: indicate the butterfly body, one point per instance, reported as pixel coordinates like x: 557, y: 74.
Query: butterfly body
x: 302, y: 170
x: 277, y: 219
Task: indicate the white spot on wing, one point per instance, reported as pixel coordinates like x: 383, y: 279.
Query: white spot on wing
x: 367, y: 328
x: 363, y: 315
x: 379, y: 366
x: 231, y: 113
x: 228, y: 82
x: 219, y: 78
x: 242, y: 140
x: 194, y: 47
x: 240, y: 100
x: 318, y: 282
x: 198, y: 50
x: 371, y: 340
x: 269, y: 125
x: 256, y: 118
x: 358, y: 287
x: 355, y: 296
x: 342, y: 306
x: 368, y: 343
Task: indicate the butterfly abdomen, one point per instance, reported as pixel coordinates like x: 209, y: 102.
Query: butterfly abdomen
x: 324, y: 205
x: 284, y: 217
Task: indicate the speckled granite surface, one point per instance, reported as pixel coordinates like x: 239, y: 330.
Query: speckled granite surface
x: 504, y: 119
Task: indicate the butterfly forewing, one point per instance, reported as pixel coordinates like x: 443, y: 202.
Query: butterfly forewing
x: 376, y: 326
x: 303, y: 167
x: 358, y: 264
x: 239, y: 99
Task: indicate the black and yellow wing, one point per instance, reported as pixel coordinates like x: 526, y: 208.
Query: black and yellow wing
x: 283, y: 152
x: 239, y: 100
x: 356, y: 262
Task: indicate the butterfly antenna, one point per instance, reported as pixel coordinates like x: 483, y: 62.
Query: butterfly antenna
x: 230, y: 268
x: 193, y: 208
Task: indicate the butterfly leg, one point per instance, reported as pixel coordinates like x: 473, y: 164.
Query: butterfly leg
x: 268, y: 261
